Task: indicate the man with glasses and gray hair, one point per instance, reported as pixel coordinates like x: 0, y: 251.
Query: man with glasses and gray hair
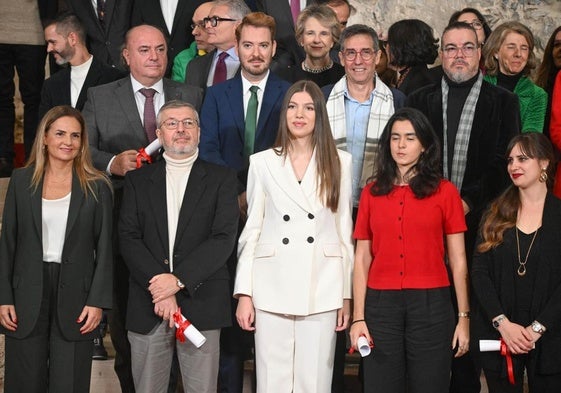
x: 474, y: 122
x: 178, y: 226
x: 222, y: 63
x: 359, y: 106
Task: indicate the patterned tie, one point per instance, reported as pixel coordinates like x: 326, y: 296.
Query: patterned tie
x: 101, y: 11
x: 149, y: 113
x: 250, y: 123
x: 294, y: 9
x: 220, y: 69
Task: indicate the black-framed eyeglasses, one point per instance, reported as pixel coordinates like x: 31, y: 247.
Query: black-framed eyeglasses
x: 366, y: 54
x: 213, y: 20
x: 452, y: 51
x: 200, y: 25
x: 173, y: 124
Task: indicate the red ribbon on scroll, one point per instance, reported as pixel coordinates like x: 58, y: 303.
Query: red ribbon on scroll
x: 506, y: 353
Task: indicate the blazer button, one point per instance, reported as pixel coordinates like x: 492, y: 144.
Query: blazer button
x: 166, y: 261
x: 286, y: 217
x: 310, y: 239
x: 285, y: 240
x: 310, y: 216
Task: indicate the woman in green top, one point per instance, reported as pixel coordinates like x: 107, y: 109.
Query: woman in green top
x: 509, y: 60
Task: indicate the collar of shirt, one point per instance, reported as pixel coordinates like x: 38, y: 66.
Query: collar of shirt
x: 158, y: 86
x: 232, y: 55
x: 351, y: 99
x: 247, y: 94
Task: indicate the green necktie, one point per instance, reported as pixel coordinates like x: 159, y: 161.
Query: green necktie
x: 250, y: 123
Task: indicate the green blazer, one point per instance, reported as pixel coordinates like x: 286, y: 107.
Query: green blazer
x: 533, y: 103
x: 86, y: 270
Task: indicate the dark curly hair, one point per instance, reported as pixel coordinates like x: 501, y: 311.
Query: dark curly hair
x: 428, y: 169
x: 456, y: 16
x: 412, y: 43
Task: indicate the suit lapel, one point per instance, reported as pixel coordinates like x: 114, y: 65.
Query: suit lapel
x: 273, y: 90
x: 76, y: 200
x: 157, y: 198
x: 193, y: 193
x: 94, y: 73
x: 176, y: 29
x: 170, y: 92
x: 234, y: 94
x: 283, y: 174
x: 36, y: 207
x: 125, y: 97
x: 65, y: 88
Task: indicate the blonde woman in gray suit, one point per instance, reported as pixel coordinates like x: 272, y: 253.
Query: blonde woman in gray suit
x: 293, y: 278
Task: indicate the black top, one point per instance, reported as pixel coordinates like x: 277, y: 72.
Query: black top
x: 508, y: 81
x: 295, y: 73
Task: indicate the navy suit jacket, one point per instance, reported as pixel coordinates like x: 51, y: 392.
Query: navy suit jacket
x: 223, y: 123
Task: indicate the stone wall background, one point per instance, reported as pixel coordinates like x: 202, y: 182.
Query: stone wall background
x: 542, y: 17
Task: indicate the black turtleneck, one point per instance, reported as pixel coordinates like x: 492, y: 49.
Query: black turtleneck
x: 457, y: 95
x: 508, y: 81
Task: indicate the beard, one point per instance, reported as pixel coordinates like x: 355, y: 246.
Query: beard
x: 463, y: 74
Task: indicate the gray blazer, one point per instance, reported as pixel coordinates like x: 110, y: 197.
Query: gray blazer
x: 86, y: 270
x: 113, y: 121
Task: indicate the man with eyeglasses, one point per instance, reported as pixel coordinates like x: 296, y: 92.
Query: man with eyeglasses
x: 177, y: 228
x: 240, y: 117
x: 222, y: 63
x: 120, y: 117
x: 474, y: 121
x: 172, y: 17
x: 359, y: 106
x: 199, y: 47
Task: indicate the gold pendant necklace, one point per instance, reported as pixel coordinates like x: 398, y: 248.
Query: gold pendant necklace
x: 522, y: 265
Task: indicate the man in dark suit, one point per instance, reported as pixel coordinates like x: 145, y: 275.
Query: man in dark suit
x: 177, y: 228
x: 106, y: 23
x: 227, y: 139
x: 223, y: 62
x: 66, y: 41
x: 119, y: 119
x: 474, y: 121
x: 173, y: 21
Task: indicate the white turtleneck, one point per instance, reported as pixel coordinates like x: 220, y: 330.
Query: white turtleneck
x: 177, y: 176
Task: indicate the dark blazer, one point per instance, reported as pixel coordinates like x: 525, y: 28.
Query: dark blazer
x: 87, y: 257
x: 206, y: 233
x: 417, y: 77
x: 56, y: 89
x: 197, y: 70
x: 105, y: 42
x: 223, y: 123
x: 150, y: 12
x: 496, y: 121
x: 493, y: 276
x: 113, y: 121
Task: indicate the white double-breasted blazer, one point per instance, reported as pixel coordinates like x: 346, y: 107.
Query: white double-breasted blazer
x: 295, y: 255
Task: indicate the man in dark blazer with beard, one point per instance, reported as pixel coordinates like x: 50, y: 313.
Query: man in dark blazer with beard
x: 480, y: 147
x: 66, y: 41
x: 177, y: 228
x: 116, y: 115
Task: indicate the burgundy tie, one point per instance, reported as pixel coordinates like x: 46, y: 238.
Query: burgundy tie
x: 101, y: 11
x: 149, y: 113
x: 220, y: 69
x: 294, y: 9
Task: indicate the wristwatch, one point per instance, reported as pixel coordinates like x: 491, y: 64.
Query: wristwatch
x: 497, y: 322
x: 538, y: 327
x: 180, y: 284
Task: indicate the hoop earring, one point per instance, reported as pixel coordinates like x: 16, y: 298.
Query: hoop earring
x: 543, y: 175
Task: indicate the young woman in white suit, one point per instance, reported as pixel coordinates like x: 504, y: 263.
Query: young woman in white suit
x: 293, y: 278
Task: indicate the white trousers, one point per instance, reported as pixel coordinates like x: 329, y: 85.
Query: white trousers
x: 294, y: 354
x: 151, y: 356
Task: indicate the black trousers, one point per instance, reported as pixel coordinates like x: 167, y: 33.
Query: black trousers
x: 412, y: 331
x: 45, y: 361
x: 29, y: 62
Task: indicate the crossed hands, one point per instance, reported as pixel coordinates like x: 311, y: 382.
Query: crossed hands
x: 163, y: 288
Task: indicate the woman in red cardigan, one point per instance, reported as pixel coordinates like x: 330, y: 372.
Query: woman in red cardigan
x: 406, y: 221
